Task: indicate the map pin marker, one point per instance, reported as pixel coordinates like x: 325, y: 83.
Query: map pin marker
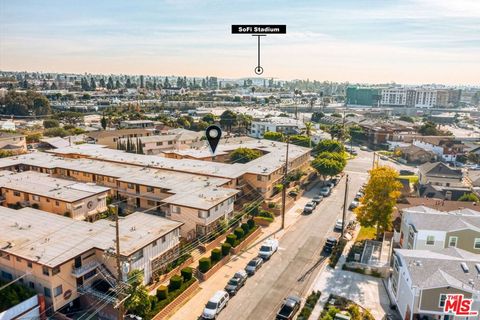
x: 213, y: 133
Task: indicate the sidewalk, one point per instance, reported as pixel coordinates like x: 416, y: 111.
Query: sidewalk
x: 194, y: 307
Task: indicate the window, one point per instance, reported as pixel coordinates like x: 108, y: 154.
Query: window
x: 452, y: 241
x: 150, y: 203
x: 55, y: 271
x: 47, y: 292
x: 202, y: 214
x: 57, y: 203
x: 48, y: 200
x: 29, y: 264
x: 137, y: 255
x: 163, y: 239
x: 170, y: 142
x: 6, y: 256
x: 154, y: 243
x: 159, y: 143
x: 430, y: 240
x: 58, y: 291
x: 130, y: 186
x: 18, y: 259
x: 476, y: 243
x: 175, y: 209
x: 6, y: 275
x: 149, y: 189
x: 45, y: 271
x: 16, y: 193
x: 36, y: 198
x: 441, y: 302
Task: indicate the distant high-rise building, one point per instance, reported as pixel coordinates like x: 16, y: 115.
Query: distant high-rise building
x: 363, y: 96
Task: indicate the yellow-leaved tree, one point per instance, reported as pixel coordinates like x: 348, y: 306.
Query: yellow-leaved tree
x: 381, y: 194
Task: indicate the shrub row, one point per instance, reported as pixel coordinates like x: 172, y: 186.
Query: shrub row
x: 309, y: 305
x: 166, y: 294
x: 337, y: 252
x: 239, y: 234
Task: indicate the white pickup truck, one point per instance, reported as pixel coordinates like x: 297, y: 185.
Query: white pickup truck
x: 268, y: 248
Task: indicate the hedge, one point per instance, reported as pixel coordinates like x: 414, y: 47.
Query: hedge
x: 157, y: 306
x: 337, y: 252
x: 162, y: 293
x: 226, y: 249
x: 231, y: 239
x: 239, y: 233
x: 204, y: 264
x: 309, y: 305
x: 251, y: 223
x: 216, y: 255
x: 186, y: 273
x: 245, y: 228
x: 175, y: 283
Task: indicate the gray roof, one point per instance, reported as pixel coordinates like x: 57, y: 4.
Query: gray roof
x: 424, y: 218
x: 433, y: 269
x: 51, y: 239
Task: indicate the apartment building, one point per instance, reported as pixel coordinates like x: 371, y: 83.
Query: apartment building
x: 67, y: 260
x: 110, y: 138
x: 419, y: 97
x: 424, y: 228
x: 395, y: 97
x: 173, y: 139
x: 140, y: 188
x: 447, y: 149
x: 275, y: 124
x: 137, y: 124
x: 79, y: 201
x: 422, y: 279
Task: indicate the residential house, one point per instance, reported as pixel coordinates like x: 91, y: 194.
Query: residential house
x: 67, y: 260
x: 414, y: 154
x: 13, y: 142
x: 110, y: 138
x: 424, y: 228
x: 446, y: 148
x: 137, y: 124
x: 422, y: 279
x: 276, y: 124
x: 439, y: 174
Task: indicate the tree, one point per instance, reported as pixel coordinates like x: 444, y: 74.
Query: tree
x: 338, y: 132
x: 356, y: 133
x: 69, y: 117
x: 244, y: 155
x: 429, y: 129
x: 329, y: 146
x: 327, y: 167
x: 300, y: 140
x: 102, y: 83
x: 336, y: 115
x: 228, y: 119
x: 470, y: 197
x: 274, y: 136
x: 244, y: 120
x: 138, y: 301
x: 110, y: 84
x: 335, y: 156
x: 406, y: 119
x: 50, y: 123
x: 55, y: 132
x: 103, y: 122
x: 24, y: 104
x: 308, y: 129
x: 316, y: 116
x: 209, y: 118
x: 381, y: 194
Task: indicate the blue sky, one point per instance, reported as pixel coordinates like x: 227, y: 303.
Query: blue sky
x: 406, y: 41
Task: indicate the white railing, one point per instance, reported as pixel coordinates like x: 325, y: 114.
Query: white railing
x: 80, y: 271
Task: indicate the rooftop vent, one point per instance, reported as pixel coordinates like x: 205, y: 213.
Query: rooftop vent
x: 464, y: 267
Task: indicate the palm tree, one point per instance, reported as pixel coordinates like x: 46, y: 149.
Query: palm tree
x: 308, y: 131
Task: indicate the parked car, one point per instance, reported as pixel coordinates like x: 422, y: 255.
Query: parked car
x: 289, y: 308
x: 253, y: 266
x: 317, y: 199
x: 268, y: 248
x: 354, y: 204
x: 406, y: 173
x: 383, y: 157
x: 335, y: 180
x: 364, y: 148
x: 293, y: 194
x: 309, y: 207
x: 215, y: 305
x: 236, y: 282
x: 325, y: 191
x: 330, y: 243
x: 338, y: 225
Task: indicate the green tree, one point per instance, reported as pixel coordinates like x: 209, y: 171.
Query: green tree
x: 338, y: 132
x: 228, y: 119
x: 300, y: 140
x: 274, y: 136
x: 244, y: 155
x: 24, y: 104
x: 330, y: 146
x: 138, y: 301
x: 209, y: 118
x: 69, y: 117
x: 103, y: 122
x: 316, y: 116
x: 406, y: 119
x: 470, y: 197
x: 56, y: 132
x: 51, y: 123
x: 381, y: 194
x: 356, y: 133
x: 328, y: 166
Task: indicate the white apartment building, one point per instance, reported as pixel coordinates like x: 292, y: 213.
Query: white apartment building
x: 425, y: 98
x: 394, y: 97
x: 275, y: 124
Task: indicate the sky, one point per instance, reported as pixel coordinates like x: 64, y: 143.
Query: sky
x: 404, y: 41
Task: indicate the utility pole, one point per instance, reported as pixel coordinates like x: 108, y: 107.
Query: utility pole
x: 119, y: 264
x: 284, y: 189
x: 345, y: 199
x: 374, y: 155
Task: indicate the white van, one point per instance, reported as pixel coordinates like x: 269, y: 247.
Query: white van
x: 215, y: 305
x: 268, y: 248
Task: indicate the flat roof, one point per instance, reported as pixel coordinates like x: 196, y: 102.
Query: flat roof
x: 204, y: 200
x: 51, y: 239
x: 273, y: 160
x: 42, y: 184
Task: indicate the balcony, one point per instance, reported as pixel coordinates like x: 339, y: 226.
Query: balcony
x: 78, y: 272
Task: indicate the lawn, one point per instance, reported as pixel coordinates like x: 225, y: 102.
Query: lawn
x: 366, y: 233
x: 412, y: 179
